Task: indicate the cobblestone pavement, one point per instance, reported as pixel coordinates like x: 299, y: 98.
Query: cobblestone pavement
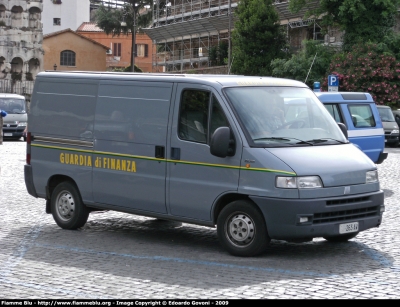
x: 118, y: 255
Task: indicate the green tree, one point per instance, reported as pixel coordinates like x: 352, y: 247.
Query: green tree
x: 218, y: 54
x: 313, y: 55
x: 362, y: 20
x: 257, y: 38
x: 112, y: 20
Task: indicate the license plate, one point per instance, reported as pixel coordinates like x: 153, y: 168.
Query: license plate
x: 349, y: 227
x: 7, y: 134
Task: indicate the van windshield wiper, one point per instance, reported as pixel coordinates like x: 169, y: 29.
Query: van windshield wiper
x: 316, y: 141
x: 284, y: 139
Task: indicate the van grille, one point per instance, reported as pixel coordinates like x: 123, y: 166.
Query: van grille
x: 11, y: 125
x: 344, y: 215
x: 346, y: 201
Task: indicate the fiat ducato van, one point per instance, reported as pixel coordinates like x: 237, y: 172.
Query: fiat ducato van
x: 258, y: 158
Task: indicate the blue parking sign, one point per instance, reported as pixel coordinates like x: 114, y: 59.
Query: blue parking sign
x: 333, y: 83
x: 333, y: 80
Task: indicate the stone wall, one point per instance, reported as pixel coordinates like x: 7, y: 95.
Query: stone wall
x: 21, y: 53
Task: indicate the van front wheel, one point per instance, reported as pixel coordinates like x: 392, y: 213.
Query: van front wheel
x: 67, y: 207
x: 242, y: 230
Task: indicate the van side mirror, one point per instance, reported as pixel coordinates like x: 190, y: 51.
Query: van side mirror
x: 344, y: 130
x: 220, y: 142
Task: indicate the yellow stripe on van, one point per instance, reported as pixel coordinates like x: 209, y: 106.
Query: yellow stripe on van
x: 105, y: 153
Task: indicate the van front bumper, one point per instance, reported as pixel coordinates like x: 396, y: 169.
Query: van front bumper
x: 391, y: 138
x: 304, y: 219
x: 13, y: 131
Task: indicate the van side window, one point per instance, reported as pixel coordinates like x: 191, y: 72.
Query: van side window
x: 218, y: 118
x: 362, y: 116
x: 193, y: 115
x: 333, y: 109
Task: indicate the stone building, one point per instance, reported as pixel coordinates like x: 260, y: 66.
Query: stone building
x: 21, y: 53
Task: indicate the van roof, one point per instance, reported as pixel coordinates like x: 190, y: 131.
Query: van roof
x: 344, y: 97
x: 224, y: 80
x: 7, y: 95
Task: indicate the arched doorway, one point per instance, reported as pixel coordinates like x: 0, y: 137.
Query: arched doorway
x: 16, y: 16
x: 17, y: 65
x: 33, y: 69
x: 34, y: 17
x: 3, y: 18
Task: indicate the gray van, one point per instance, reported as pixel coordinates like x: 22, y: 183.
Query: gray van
x: 389, y: 125
x: 259, y: 158
x: 14, y: 123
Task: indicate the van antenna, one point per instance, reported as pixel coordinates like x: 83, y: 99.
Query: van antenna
x: 230, y: 65
x: 311, y: 66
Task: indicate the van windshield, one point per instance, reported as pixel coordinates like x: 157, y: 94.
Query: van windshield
x: 386, y: 114
x: 12, y: 105
x: 283, y: 116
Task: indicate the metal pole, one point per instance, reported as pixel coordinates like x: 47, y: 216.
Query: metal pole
x: 133, y: 39
x: 310, y: 67
x: 229, y: 38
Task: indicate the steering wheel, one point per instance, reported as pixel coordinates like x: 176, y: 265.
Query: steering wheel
x: 294, y: 124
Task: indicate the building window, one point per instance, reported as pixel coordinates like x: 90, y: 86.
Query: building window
x: 141, y: 50
x: 56, y: 21
x: 117, y: 49
x: 57, y: 1
x: 67, y: 58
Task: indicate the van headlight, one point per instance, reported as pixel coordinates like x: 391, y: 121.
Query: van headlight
x: 22, y: 124
x: 308, y: 182
x: 371, y: 177
x: 395, y: 131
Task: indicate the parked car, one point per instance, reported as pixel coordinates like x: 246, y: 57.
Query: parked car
x: 359, y: 113
x: 396, y: 114
x: 15, y: 122
x: 389, y: 125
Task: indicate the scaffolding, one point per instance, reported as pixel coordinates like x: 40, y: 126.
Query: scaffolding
x: 186, y: 33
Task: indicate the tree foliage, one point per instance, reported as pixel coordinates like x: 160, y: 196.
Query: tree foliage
x: 298, y: 66
x: 218, y: 54
x: 257, y: 38
x: 109, y: 19
x: 362, y: 20
x: 367, y: 68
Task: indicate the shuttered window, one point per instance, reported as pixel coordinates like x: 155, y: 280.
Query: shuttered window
x: 67, y: 58
x: 117, y: 49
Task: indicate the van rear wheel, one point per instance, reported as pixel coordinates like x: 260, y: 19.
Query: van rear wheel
x: 67, y: 207
x: 242, y: 230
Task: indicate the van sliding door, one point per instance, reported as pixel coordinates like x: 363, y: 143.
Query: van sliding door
x: 130, y: 139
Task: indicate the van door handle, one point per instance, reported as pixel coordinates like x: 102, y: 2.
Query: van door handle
x: 160, y: 152
x: 175, y: 153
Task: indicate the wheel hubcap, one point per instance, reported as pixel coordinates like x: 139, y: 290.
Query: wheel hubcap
x: 65, y: 205
x: 240, y: 229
